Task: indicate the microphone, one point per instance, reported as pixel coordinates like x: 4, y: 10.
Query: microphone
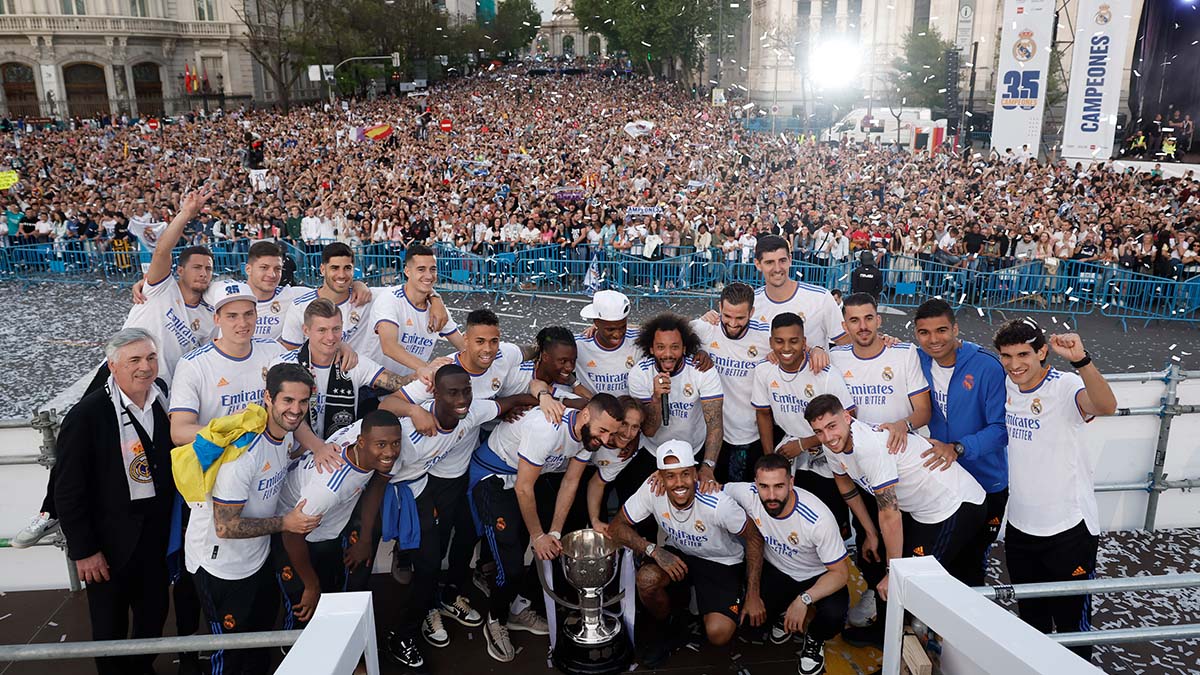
x: 666, y: 409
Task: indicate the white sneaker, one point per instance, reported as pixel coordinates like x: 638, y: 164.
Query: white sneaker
x: 811, y: 660
x: 41, y: 525
x: 460, y: 610
x: 433, y: 630
x: 863, y: 613
x: 528, y: 621
x: 499, y: 646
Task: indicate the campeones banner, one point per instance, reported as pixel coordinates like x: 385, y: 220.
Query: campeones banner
x: 1101, y: 44
x: 1021, y: 84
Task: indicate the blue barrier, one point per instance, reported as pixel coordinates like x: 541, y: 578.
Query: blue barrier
x: 1069, y: 288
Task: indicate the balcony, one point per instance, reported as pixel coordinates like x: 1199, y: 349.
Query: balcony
x: 111, y: 25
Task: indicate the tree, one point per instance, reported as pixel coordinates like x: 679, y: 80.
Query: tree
x: 516, y: 24
x: 280, y: 38
x: 920, y: 73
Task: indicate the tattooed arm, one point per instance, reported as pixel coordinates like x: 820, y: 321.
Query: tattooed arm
x: 391, y: 381
x: 892, y: 528
x: 713, y: 438
x: 229, y: 523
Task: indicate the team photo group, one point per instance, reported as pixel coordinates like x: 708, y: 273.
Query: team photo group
x: 249, y: 447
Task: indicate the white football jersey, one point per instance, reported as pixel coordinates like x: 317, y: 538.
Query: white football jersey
x: 393, y: 306
x: 254, y: 480
x: 502, y: 378
x: 1049, y: 475
x: 213, y: 384
x: 444, y: 455
x: 734, y: 361
x: 708, y: 529
x: 940, y: 387
x: 787, y: 394
x: 362, y: 375
x: 801, y: 543
x: 882, y: 385
x: 179, y: 328
x: 273, y: 311
x: 332, y: 496
x: 609, y: 462
x: 606, y: 371
x: 928, y: 496
x: 689, y: 387
x: 815, y: 305
x: 353, y: 319
x: 537, y: 441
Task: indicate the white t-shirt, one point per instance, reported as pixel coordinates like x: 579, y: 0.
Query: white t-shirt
x: 178, y: 327
x: 928, y: 496
x: 353, y: 319
x: 213, y: 384
x: 609, y: 462
x: 392, y: 306
x: 801, y: 543
x: 734, y: 361
x: 708, y: 529
x: 605, y: 371
x: 537, y: 441
x: 940, y: 389
x: 445, y: 455
x: 788, y: 394
x: 362, y: 375
x: 815, y: 305
x: 254, y: 480
x: 689, y: 387
x: 332, y: 496
x: 1049, y: 476
x: 881, y: 386
x: 273, y: 311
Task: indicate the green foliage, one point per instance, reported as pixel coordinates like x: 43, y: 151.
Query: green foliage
x: 516, y: 24
x: 920, y: 71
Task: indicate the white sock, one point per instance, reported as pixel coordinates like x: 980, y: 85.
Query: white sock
x: 519, y: 604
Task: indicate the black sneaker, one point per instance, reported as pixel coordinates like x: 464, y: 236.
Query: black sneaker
x: 404, y: 651
x: 867, y: 636
x: 811, y: 660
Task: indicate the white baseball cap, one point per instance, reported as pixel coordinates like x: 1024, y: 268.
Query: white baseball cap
x: 606, y: 306
x: 680, y: 450
x: 224, y: 292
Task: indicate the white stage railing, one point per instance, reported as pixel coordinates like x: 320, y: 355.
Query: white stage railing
x: 341, y: 633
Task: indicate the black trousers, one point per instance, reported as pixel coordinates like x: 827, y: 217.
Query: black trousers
x: 949, y: 540
x: 140, y: 588
x: 629, y: 480
x: 779, y: 590
x: 1067, y: 556
x: 239, y: 606
x: 326, y: 558
x: 455, y: 531
x: 736, y: 463
x: 426, y: 561
x: 994, y: 505
x: 504, y: 531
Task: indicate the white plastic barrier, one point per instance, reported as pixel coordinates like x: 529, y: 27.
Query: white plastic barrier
x: 341, y: 633
x: 978, y: 636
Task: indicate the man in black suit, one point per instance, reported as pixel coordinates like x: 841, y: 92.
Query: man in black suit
x: 114, y: 492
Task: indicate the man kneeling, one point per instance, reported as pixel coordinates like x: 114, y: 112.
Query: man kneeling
x: 702, y: 551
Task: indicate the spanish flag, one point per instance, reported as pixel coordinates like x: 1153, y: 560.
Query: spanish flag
x: 378, y: 133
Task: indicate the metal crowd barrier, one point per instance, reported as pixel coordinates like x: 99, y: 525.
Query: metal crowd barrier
x: 1068, y: 288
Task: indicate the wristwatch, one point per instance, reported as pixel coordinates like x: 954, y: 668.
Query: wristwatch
x: 712, y: 464
x: 650, y: 550
x: 959, y: 449
x: 806, y: 598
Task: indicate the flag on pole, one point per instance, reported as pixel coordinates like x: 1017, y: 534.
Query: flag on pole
x: 187, y: 77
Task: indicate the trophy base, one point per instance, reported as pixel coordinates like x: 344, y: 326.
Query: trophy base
x: 608, y: 658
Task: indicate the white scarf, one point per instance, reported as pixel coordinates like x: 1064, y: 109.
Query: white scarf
x: 133, y: 455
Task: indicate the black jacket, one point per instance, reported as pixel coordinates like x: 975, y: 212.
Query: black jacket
x: 867, y: 278
x: 91, y: 492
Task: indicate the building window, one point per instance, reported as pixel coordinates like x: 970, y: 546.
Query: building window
x: 6, y: 7
x: 139, y: 8
x: 73, y: 7
x: 206, y: 10
x: 920, y: 16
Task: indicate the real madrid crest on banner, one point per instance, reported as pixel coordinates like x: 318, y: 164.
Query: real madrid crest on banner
x: 139, y: 468
x: 1024, y: 49
x: 1103, y: 15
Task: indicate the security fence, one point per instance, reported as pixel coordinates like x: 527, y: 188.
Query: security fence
x: 1065, y: 288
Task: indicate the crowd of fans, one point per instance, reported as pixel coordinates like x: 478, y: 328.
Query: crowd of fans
x: 536, y: 161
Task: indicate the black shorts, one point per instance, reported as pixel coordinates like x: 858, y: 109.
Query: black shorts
x: 719, y: 587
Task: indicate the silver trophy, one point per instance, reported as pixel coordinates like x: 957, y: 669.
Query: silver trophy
x: 592, y: 641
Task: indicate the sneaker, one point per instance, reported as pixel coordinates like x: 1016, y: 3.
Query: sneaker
x: 779, y: 634
x: 528, y: 621
x: 863, y: 613
x: 867, y: 636
x: 404, y: 651
x: 433, y: 630
x: 499, y: 647
x: 41, y: 525
x: 460, y: 610
x: 812, y: 657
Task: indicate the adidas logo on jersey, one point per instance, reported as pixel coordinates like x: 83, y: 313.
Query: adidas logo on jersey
x: 774, y: 384
x: 715, y: 345
x: 920, y: 550
x: 591, y: 364
x: 408, y: 322
x: 222, y: 382
x: 847, y: 375
x: 267, y: 467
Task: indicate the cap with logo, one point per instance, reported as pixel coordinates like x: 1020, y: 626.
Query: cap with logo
x: 606, y: 306
x: 229, y: 291
x: 681, y: 450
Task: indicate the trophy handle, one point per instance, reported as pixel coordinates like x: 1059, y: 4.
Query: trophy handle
x: 541, y: 571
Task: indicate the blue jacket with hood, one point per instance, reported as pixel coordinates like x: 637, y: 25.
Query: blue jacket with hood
x: 975, y: 407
